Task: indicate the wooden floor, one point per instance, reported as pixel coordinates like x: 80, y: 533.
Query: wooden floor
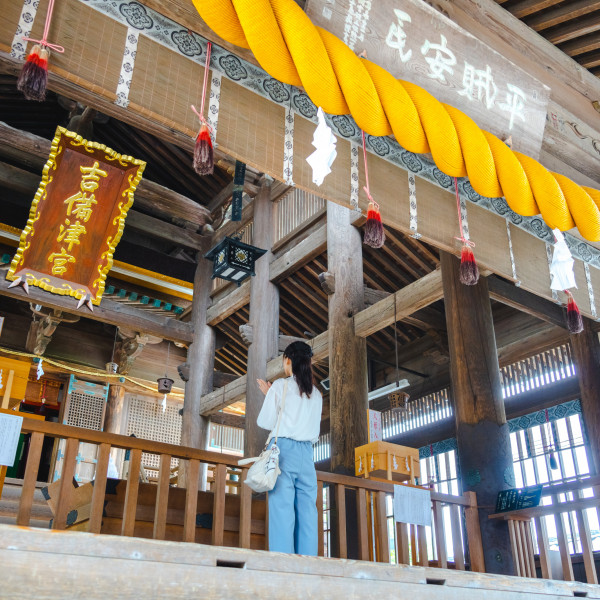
x: 45, y: 564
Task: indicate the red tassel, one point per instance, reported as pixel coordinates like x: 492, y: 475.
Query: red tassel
x: 204, y: 163
x: 469, y: 272
x: 34, y: 75
x: 374, y: 232
x: 574, y: 320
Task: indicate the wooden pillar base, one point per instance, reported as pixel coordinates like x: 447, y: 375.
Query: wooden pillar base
x: 486, y: 467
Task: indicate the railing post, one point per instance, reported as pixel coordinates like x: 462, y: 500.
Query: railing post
x: 191, y: 501
x: 218, y: 526
x: 66, y: 484
x: 440, y: 542
x: 162, y: 498
x: 474, y: 533
x: 95, y: 522
x: 31, y: 473
x: 245, y: 512
x: 363, y: 529
x: 133, y: 484
x: 321, y: 551
x: 340, y: 502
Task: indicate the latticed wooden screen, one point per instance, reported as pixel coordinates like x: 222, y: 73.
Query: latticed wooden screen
x: 145, y: 419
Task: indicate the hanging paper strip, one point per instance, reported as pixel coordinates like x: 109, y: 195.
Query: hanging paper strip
x: 126, y: 74
x: 213, y: 105
x: 19, y: 46
x: 77, y: 218
x: 590, y: 287
x: 512, y: 255
x: 463, y: 217
x: 549, y: 254
x: 288, y: 151
x: 412, y: 200
x: 354, y: 175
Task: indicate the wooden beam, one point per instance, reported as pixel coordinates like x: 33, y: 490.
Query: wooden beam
x: 508, y: 293
x: 560, y: 14
x: 166, y: 231
x: 231, y: 303
x: 231, y: 227
x: 409, y: 299
x: 299, y: 255
x: 32, y: 150
x: 223, y: 397
x: 110, y: 312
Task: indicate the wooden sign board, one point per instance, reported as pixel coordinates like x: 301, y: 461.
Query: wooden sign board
x: 417, y: 43
x: 76, y: 218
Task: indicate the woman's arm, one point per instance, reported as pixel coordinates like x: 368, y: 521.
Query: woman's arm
x: 267, y: 418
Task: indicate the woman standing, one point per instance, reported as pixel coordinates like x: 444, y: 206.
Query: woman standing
x: 292, y: 502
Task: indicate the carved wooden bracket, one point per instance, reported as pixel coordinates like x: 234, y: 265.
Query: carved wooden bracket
x: 43, y: 326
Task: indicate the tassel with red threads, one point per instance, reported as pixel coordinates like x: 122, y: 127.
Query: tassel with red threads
x: 204, y: 162
x: 574, y: 320
x: 374, y: 232
x: 469, y: 271
x: 34, y: 74
x: 33, y: 78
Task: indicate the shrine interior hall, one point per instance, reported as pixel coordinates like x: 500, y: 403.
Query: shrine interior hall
x: 136, y: 409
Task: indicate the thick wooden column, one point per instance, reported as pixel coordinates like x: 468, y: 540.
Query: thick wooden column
x: 484, y: 452
x: 586, y: 353
x: 113, y: 418
x: 347, y: 352
x: 264, y: 318
x: 201, y: 359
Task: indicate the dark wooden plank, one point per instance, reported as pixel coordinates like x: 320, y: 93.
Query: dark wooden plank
x: 219, y: 505
x: 402, y: 547
x: 474, y: 534
x: 30, y: 478
x: 133, y: 484
x: 381, y: 528
x: 97, y: 507
x: 162, y: 497
x: 191, y: 501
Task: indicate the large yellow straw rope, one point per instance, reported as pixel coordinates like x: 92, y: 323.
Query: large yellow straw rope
x: 291, y: 49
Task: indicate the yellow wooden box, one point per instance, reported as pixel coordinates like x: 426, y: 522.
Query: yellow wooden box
x: 391, y: 462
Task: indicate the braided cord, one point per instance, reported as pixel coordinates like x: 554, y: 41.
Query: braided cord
x: 291, y: 49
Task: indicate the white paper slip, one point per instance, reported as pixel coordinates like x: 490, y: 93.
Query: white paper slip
x: 10, y: 428
x: 412, y: 505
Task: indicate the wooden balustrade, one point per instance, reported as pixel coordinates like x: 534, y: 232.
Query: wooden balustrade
x: 235, y: 519
x: 529, y: 527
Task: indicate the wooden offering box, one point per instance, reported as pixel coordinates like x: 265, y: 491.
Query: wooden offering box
x: 388, y: 462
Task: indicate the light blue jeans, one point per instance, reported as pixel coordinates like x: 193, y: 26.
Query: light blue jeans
x: 293, y: 501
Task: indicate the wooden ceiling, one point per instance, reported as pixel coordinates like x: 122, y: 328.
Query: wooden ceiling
x: 571, y: 25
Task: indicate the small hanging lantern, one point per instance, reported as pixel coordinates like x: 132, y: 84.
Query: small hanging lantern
x: 233, y: 260
x: 398, y: 400
x: 165, y: 383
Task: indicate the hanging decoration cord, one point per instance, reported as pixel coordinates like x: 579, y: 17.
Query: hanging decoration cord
x: 366, y: 187
x: 44, y: 41
x: 462, y: 238
x: 200, y: 114
x: 396, y: 341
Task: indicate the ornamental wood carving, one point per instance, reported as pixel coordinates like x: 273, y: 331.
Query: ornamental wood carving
x: 77, y: 218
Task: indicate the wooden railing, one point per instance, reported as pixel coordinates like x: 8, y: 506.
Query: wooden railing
x: 529, y: 527
x: 240, y: 518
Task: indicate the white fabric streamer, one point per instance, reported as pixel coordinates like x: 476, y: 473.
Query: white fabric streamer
x: 561, y: 269
x: 322, y: 158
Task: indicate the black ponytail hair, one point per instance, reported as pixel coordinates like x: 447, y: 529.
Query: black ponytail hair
x: 300, y: 354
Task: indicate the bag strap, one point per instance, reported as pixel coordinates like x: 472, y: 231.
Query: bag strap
x: 285, y: 385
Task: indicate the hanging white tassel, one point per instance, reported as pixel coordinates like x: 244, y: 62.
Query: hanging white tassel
x: 1, y: 373
x: 322, y: 158
x: 164, y: 403
x: 561, y: 268
x: 40, y: 370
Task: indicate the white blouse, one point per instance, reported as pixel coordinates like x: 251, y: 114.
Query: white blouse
x: 301, y: 419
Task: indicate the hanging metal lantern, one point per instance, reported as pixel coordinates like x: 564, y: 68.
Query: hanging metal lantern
x: 398, y: 400
x: 165, y: 384
x: 233, y: 260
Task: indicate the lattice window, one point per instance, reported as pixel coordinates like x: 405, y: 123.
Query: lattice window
x: 146, y: 420
x: 85, y: 410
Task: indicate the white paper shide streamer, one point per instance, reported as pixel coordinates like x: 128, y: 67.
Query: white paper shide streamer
x: 561, y: 268
x: 322, y: 158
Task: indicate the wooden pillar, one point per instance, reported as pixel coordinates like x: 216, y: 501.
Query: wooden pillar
x: 264, y: 318
x: 113, y: 419
x: 347, y: 352
x: 484, y: 452
x: 201, y: 359
x: 586, y: 354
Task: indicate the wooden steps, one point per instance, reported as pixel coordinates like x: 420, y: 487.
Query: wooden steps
x: 48, y: 565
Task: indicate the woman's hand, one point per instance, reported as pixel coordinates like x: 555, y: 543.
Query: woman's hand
x: 264, y: 385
